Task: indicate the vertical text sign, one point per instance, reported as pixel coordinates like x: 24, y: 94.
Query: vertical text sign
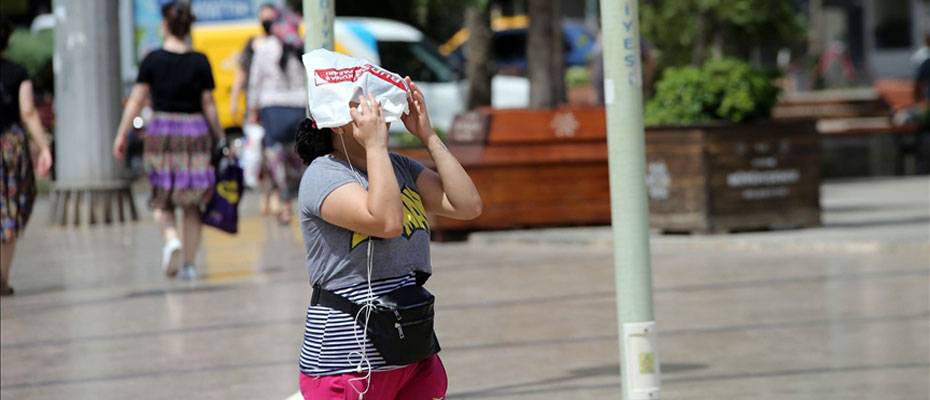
x: 327, y: 21
x: 631, y: 60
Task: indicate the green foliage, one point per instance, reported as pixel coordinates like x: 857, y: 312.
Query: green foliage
x: 406, y: 140
x: 577, y: 77
x: 734, y: 27
x: 31, y: 50
x: 727, y: 89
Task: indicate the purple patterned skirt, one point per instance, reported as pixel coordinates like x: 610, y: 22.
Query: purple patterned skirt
x: 177, y: 160
x: 17, y: 183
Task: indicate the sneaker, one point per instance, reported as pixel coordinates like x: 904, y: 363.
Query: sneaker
x: 171, y: 257
x: 189, y: 272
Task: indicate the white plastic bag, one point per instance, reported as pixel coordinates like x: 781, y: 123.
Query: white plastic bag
x: 336, y: 79
x: 251, y: 157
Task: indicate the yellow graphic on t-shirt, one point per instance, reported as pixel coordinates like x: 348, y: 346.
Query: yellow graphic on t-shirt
x: 357, y: 239
x: 414, y: 212
x: 414, y: 217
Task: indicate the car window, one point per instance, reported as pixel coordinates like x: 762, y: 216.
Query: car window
x: 510, y: 46
x: 420, y: 60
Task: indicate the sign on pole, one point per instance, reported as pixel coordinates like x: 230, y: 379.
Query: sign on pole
x: 639, y: 363
x: 318, y: 24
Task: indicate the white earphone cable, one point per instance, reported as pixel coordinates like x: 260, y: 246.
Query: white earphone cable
x: 363, y: 363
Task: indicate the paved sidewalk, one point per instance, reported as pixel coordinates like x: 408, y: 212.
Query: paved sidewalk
x: 837, y: 312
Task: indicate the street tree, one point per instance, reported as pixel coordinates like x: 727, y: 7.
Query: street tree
x: 546, y: 67
x: 480, y: 63
x: 716, y: 28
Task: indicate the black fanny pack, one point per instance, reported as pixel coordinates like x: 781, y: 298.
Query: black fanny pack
x: 400, y: 325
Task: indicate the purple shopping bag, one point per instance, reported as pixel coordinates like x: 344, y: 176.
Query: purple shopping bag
x: 222, y: 211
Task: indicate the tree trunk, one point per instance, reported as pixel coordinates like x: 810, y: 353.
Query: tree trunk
x: 544, y: 54
x: 480, y: 60
x: 815, y: 31
x: 718, y: 45
x: 557, y: 56
x: 699, y: 49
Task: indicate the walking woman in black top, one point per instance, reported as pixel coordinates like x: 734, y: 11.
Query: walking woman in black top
x: 17, y: 182
x: 178, y: 140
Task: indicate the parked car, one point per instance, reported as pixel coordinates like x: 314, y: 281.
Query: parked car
x: 509, y: 44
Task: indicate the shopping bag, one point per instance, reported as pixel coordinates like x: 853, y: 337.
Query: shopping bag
x: 251, y: 157
x: 334, y: 80
x: 222, y: 212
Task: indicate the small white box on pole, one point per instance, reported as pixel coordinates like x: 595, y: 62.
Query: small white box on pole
x: 642, y: 363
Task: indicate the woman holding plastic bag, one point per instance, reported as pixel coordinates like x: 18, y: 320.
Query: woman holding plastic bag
x: 363, y: 213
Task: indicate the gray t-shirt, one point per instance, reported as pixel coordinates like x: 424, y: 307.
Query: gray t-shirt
x: 337, y: 257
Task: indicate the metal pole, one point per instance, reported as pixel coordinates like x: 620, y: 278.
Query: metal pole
x: 87, y: 90
x: 318, y: 24
x: 639, y: 364
x: 127, y: 44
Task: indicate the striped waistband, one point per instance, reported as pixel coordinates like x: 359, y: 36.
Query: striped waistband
x: 165, y: 123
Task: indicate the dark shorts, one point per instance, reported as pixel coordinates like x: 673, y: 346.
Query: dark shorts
x: 280, y: 124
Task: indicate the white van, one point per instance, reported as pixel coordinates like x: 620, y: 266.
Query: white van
x: 403, y: 49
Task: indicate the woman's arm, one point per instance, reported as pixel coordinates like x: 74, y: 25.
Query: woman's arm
x: 30, y: 117
x: 209, y: 111
x: 256, y: 83
x: 377, y: 211
x: 450, y: 193
x: 236, y: 92
x: 140, y: 91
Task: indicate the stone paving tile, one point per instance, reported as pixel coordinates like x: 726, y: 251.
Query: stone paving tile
x: 838, y: 312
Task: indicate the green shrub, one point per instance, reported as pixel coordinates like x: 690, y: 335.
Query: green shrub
x: 728, y: 89
x: 31, y: 50
x: 577, y: 77
x: 406, y: 140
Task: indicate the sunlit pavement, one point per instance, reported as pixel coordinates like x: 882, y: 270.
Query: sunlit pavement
x: 839, y: 312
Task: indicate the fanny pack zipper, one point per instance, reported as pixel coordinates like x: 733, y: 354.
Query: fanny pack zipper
x: 400, y: 327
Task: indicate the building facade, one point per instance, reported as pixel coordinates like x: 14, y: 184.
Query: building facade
x: 880, y: 36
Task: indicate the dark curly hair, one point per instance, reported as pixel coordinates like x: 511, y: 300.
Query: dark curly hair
x: 313, y: 142
x: 178, y: 17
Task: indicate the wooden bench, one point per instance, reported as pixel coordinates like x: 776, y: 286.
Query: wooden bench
x: 528, y: 175
x: 858, y: 134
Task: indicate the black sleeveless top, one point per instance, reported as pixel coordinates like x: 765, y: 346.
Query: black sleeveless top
x: 12, y: 75
x: 177, y: 80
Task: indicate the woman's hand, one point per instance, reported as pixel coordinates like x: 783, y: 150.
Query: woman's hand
x: 234, y: 108
x: 252, y: 117
x: 119, y: 146
x: 44, y: 163
x: 369, y: 127
x: 417, y: 118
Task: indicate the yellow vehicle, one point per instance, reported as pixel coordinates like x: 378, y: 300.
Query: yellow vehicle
x: 223, y: 43
x: 509, y: 44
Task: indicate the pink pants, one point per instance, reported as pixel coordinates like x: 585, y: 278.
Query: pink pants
x: 425, y: 380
